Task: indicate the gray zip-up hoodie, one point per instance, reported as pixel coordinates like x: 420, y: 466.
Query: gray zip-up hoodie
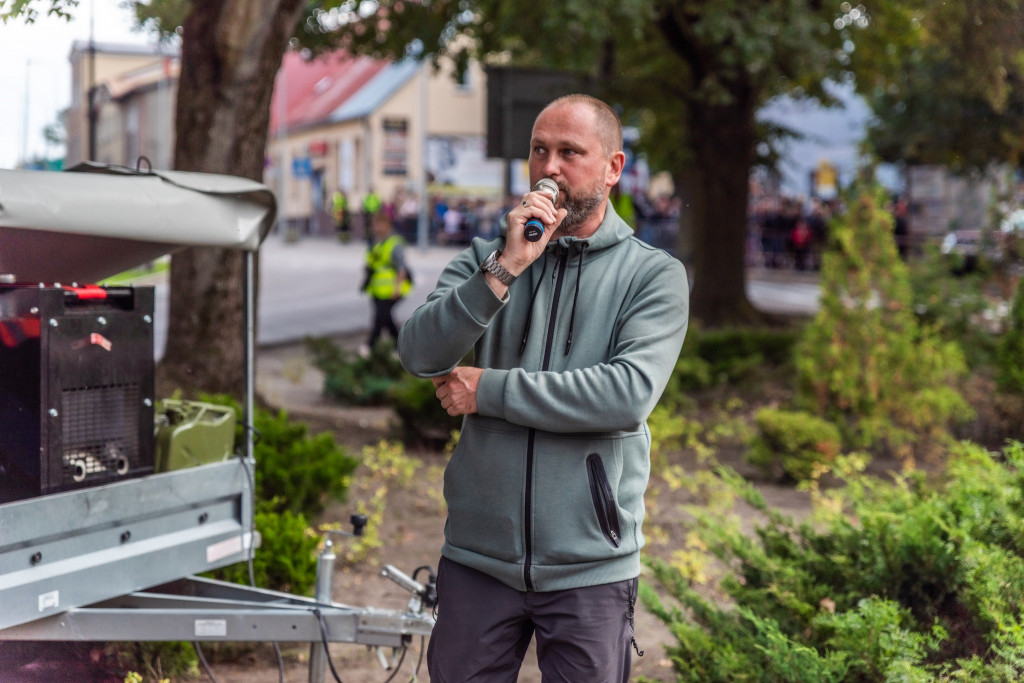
x: 545, y: 488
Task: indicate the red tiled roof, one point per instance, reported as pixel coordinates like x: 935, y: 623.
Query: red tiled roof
x: 314, y: 89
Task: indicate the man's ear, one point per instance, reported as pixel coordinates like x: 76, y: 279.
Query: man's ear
x: 615, y: 165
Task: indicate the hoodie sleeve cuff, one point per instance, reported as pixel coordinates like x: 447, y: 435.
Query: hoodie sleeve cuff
x: 490, y: 393
x: 479, y: 299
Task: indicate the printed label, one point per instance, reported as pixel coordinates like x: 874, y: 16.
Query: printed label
x: 225, y: 548
x: 216, y: 628
x: 49, y: 600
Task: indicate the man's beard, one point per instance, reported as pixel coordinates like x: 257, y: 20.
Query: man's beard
x: 580, y: 207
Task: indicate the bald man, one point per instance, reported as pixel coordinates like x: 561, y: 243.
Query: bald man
x: 574, y: 337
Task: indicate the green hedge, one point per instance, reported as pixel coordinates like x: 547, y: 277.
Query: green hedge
x: 793, y: 444
x: 908, y: 581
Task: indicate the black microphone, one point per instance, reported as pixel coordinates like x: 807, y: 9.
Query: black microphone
x: 534, y: 228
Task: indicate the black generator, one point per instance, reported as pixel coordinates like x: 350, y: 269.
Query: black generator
x: 76, y: 387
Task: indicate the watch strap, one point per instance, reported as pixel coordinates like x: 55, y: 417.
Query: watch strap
x: 491, y: 265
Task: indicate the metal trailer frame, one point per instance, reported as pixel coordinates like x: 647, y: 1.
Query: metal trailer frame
x: 193, y: 608
x: 114, y: 562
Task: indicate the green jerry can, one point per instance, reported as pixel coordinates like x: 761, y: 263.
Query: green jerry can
x: 191, y: 433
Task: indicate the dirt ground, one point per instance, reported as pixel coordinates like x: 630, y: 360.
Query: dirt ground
x: 411, y: 531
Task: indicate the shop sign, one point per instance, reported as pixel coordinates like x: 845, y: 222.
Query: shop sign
x: 396, y: 146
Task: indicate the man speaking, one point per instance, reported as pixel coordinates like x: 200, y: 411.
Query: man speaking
x: 574, y: 338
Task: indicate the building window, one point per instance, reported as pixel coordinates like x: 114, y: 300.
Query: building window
x: 465, y: 82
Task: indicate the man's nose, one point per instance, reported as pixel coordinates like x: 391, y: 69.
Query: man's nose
x: 551, y: 167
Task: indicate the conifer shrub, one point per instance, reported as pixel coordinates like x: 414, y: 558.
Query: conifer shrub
x: 380, y: 380
x: 1011, y: 348
x: 352, y: 379
x: 865, y: 363
x: 726, y: 356
x: 905, y: 580
x: 421, y: 419
x: 793, y: 444
x: 296, y: 475
x: 286, y: 558
x: 297, y: 471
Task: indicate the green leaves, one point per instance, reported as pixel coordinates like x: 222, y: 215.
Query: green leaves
x: 865, y: 363
x: 907, y: 581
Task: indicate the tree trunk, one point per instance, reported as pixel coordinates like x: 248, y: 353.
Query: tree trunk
x: 723, y: 140
x: 231, y: 51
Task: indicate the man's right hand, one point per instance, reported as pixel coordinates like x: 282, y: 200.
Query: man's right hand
x: 519, y: 252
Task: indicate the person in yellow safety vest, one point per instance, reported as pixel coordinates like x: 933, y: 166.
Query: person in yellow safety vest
x: 339, y: 212
x: 387, y: 277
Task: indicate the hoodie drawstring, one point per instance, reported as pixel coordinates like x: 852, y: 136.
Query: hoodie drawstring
x: 575, y: 297
x: 529, y: 313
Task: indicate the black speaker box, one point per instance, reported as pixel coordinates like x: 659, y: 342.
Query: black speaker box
x: 76, y: 387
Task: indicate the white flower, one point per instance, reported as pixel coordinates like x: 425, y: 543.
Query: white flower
x: 1014, y: 222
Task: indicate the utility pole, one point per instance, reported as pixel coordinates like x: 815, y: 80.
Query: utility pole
x: 423, y: 220
x: 91, y: 93
x: 24, y: 125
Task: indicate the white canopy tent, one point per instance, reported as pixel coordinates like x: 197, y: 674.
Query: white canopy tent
x: 95, y: 221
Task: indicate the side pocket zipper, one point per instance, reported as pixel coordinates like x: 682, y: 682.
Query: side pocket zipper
x: 604, y: 501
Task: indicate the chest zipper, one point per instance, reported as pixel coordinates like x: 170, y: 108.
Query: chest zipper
x: 557, y: 275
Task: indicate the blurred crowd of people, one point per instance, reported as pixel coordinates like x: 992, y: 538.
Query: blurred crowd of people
x: 783, y: 232
x: 455, y: 220
x: 787, y: 232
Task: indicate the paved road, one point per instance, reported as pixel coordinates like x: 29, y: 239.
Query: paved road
x: 311, y: 287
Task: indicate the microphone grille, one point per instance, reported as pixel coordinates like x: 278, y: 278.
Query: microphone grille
x: 548, y: 186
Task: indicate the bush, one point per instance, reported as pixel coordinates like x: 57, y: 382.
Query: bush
x: 296, y: 475
x: 952, y: 307
x: 1011, y: 348
x: 299, y: 472
x: 793, y: 444
x: 728, y: 355
x: 387, y: 465
x: 286, y: 558
x: 421, y: 418
x: 912, y: 581
x: 865, y: 363
x: 161, y: 662
x: 352, y: 379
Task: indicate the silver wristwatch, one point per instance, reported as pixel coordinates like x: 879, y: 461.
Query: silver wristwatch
x: 491, y: 265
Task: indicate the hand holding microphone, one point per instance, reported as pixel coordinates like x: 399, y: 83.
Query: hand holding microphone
x: 534, y: 228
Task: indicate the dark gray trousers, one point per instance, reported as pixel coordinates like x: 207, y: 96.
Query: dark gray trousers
x: 484, y: 629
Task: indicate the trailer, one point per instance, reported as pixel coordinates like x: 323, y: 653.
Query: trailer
x: 98, y: 540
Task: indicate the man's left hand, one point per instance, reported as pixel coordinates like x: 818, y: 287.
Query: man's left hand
x: 457, y: 390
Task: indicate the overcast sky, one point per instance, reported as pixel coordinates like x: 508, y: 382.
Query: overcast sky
x: 36, y: 70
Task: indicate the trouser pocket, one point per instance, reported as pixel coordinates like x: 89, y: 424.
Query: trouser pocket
x: 604, y: 500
